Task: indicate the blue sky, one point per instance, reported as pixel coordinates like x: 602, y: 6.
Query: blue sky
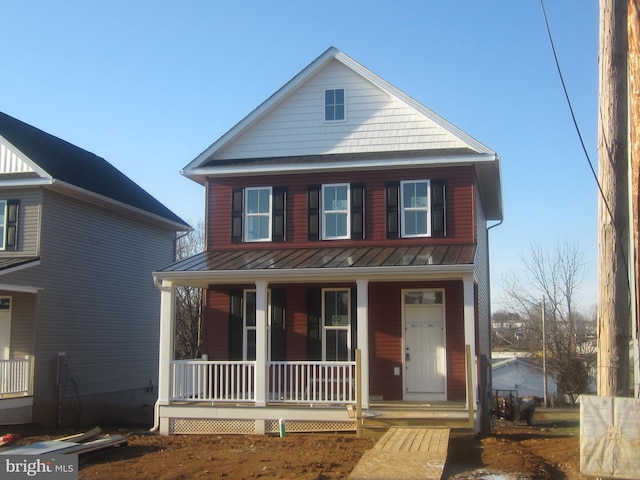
x: 148, y: 85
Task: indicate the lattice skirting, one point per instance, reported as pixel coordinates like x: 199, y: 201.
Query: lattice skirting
x: 15, y: 416
x: 248, y: 427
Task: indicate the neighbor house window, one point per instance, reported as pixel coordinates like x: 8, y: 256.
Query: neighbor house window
x: 9, y: 224
x: 258, y: 214
x: 336, y: 325
x: 334, y: 105
x: 335, y: 211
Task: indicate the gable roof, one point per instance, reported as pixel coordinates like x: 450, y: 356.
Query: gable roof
x: 49, y: 157
x: 286, y: 134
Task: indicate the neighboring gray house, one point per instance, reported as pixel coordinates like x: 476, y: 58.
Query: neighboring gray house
x: 523, y: 375
x: 78, y: 307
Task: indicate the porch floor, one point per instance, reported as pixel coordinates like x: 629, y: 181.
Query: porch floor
x: 405, y: 453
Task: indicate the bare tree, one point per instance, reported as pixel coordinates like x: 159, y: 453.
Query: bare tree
x: 555, y: 274
x: 189, y: 300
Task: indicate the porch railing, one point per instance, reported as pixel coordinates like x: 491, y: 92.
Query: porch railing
x: 312, y: 382
x: 15, y: 377
x: 234, y: 381
x: 214, y: 381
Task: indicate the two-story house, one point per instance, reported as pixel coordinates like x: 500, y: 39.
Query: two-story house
x: 78, y: 306
x: 341, y: 216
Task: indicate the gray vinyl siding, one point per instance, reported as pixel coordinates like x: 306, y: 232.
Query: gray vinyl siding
x: 23, y: 307
x: 28, y: 220
x: 98, y: 303
x: 482, y: 279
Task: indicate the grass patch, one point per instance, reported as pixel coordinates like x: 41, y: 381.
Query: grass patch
x: 560, y: 421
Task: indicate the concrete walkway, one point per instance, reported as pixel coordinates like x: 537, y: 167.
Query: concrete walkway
x: 405, y: 454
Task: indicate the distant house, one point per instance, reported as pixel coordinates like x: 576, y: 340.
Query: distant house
x: 78, y: 307
x: 523, y: 375
x: 342, y: 217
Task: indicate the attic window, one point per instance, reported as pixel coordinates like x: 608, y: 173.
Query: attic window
x: 334, y: 105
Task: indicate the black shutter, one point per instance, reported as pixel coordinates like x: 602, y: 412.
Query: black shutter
x: 278, y: 324
x: 438, y: 209
x: 393, y: 209
x: 279, y: 225
x: 237, y: 214
x: 314, y: 324
x: 11, y: 233
x: 357, y: 211
x: 354, y: 322
x: 235, y: 325
x: 313, y: 209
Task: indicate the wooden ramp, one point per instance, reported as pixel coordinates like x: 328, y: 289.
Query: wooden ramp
x: 405, y: 454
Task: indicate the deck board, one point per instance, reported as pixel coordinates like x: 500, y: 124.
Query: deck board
x: 405, y: 454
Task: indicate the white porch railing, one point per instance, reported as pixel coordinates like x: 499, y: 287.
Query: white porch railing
x: 233, y: 381
x: 214, y: 381
x: 15, y: 377
x: 312, y: 382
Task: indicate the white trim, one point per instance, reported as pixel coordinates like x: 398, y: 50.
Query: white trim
x: 423, y: 396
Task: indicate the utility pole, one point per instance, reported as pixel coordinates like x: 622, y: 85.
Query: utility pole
x: 613, y: 237
x: 633, y: 32
x: 544, y: 355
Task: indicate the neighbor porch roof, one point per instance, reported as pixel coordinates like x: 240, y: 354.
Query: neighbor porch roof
x: 306, y: 264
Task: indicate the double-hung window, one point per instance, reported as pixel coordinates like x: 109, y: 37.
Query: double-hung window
x: 258, y: 214
x: 336, y: 324
x: 335, y: 211
x: 245, y: 338
x: 416, y: 213
x: 334, y: 105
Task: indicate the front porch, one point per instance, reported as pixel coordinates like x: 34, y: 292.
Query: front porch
x: 219, y: 397
x: 16, y: 395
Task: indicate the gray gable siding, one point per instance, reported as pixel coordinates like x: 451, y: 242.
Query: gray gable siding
x: 98, y: 302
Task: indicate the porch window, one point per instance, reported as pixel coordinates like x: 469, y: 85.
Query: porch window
x: 335, y: 211
x: 249, y: 326
x: 336, y: 323
x: 246, y: 324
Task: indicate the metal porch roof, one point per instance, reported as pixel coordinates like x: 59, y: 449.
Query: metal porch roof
x: 324, y: 258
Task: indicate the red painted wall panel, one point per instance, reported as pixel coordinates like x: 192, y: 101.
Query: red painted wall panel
x: 460, y: 201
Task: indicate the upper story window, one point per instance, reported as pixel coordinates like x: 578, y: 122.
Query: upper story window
x: 335, y: 211
x: 416, y: 208
x: 9, y: 224
x: 416, y: 214
x: 334, y: 105
x: 258, y: 214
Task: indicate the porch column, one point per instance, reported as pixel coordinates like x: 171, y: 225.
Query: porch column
x: 167, y: 341
x: 261, y: 344
x: 362, y: 315
x: 470, y: 334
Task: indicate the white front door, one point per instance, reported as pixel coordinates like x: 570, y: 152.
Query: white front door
x: 424, y: 355
x: 5, y: 327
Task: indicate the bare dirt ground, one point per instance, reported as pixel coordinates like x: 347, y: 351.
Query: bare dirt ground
x: 547, y: 450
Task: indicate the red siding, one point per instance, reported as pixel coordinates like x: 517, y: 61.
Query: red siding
x: 460, y: 200
x: 385, y: 332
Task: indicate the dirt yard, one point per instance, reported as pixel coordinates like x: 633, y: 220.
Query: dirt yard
x: 547, y: 450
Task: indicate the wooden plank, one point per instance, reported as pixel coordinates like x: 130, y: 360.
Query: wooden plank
x: 38, y: 448
x: 81, y: 437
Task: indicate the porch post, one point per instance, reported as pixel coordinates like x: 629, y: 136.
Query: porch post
x: 261, y: 344
x: 362, y: 316
x: 470, y: 334
x: 167, y: 341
